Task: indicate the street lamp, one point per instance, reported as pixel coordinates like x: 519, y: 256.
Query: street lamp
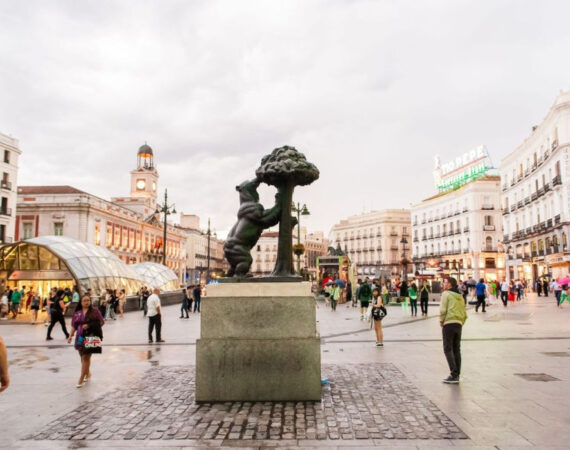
x: 404, y: 241
x: 165, y: 209
x: 299, y: 249
x: 209, y: 233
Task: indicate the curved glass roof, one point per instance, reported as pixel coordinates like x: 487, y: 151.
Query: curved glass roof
x: 155, y: 275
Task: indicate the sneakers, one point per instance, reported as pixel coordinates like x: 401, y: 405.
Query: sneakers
x: 150, y: 341
x: 49, y: 339
x: 379, y: 344
x: 451, y: 380
x: 159, y: 341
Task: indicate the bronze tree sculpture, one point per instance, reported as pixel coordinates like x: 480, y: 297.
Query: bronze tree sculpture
x: 252, y: 220
x: 286, y: 168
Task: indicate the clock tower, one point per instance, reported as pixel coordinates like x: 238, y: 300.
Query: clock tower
x: 144, y: 179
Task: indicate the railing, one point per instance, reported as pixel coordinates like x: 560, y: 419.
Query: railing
x: 505, y: 211
x: 520, y: 204
x: 487, y: 207
x: 546, y: 187
x: 416, y: 239
x: 6, y: 212
x: 6, y: 185
x: 488, y: 227
x: 465, y: 209
x: 534, y: 254
x: 393, y: 233
x: 393, y: 247
x: 533, y: 196
x: 513, y: 207
x: 527, y: 200
x: 556, y: 181
x: 540, y: 192
x: 466, y: 229
x: 549, y: 223
x: 504, y: 187
x: 557, y: 219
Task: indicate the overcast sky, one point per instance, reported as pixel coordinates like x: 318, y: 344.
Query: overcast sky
x: 370, y: 91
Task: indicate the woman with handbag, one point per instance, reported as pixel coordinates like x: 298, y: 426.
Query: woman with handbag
x: 378, y: 313
x: 86, y: 326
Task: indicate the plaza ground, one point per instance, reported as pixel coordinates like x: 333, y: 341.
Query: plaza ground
x: 513, y: 393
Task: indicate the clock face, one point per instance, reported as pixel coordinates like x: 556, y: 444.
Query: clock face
x: 153, y: 186
x: 141, y: 184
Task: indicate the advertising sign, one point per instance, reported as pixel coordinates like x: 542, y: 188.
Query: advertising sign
x: 463, y: 169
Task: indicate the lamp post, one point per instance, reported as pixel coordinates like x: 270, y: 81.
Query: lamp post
x: 404, y: 241
x: 209, y: 233
x: 299, y: 250
x: 165, y: 209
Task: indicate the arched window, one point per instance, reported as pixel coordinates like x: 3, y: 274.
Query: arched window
x: 489, y: 243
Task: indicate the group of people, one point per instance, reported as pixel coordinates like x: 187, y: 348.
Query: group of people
x: 192, y: 294
x: 112, y: 303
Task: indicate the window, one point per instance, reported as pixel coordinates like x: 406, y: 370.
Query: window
x: 97, y: 234
x: 489, y: 243
x: 7, y: 156
x: 58, y: 228
x: 488, y: 220
x: 27, y: 229
x: 109, y: 235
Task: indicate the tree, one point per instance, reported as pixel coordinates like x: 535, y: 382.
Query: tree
x: 286, y: 168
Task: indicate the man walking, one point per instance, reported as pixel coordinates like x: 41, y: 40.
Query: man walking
x: 557, y: 291
x: 505, y: 292
x: 154, y: 316
x: 452, y: 316
x: 16, y: 300
x: 481, y: 293
x: 197, y: 293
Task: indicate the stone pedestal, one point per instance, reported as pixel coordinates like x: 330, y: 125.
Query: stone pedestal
x: 258, y: 342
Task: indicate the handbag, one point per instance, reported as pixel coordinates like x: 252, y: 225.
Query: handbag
x: 92, y: 344
x: 379, y: 313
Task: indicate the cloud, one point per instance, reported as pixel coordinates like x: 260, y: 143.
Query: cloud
x: 370, y: 91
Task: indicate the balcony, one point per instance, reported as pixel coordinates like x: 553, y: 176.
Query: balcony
x: 424, y: 238
x: 547, y: 187
x: 556, y: 181
x: 423, y: 221
x: 540, y: 192
x: 554, y: 144
x: 534, y: 166
x: 488, y: 227
x: 513, y: 207
x: 505, y: 211
x: 487, y: 207
x: 557, y: 219
x: 520, y: 204
x: 430, y: 236
x: 417, y: 240
x: 449, y: 214
x: 436, y: 235
x: 6, y: 212
x: 6, y: 185
x: 549, y: 223
x: 504, y: 187
x: 513, y: 182
x: 393, y: 247
x: 466, y: 229
x: 533, y: 196
x: 456, y: 213
x: 465, y: 209
x: 393, y: 233
x: 528, y: 230
x: 527, y: 200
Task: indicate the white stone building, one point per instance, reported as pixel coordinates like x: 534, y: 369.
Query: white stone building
x: 10, y: 153
x: 375, y: 242
x: 128, y: 226
x: 535, y: 196
x: 197, y: 250
x: 459, y: 230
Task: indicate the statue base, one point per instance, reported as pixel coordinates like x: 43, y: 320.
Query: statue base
x: 259, y: 342
x: 268, y: 279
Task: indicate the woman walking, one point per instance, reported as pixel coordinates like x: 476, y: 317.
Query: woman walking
x: 424, y: 297
x: 35, y: 306
x: 58, y: 308
x: 378, y: 313
x: 404, y: 296
x: 184, y: 307
x: 109, y: 301
x: 122, y: 301
x: 413, y: 293
x: 86, y: 326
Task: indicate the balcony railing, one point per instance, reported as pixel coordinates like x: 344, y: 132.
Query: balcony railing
x: 6, y: 185
x: 549, y: 223
x: 488, y: 227
x: 556, y: 181
x: 487, y: 207
x: 393, y: 233
x: 5, y: 211
x: 505, y: 211
x: 546, y: 187
x: 520, y: 204
x: 527, y: 200
x: 557, y: 219
x: 533, y: 196
x: 513, y: 207
x: 504, y: 187
x: 393, y: 247
x: 466, y: 229
x: 540, y: 192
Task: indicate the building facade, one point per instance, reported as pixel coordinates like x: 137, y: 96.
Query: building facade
x: 375, y: 242
x: 10, y: 153
x: 458, y: 232
x: 535, y: 196
x: 197, y: 250
x: 134, y: 233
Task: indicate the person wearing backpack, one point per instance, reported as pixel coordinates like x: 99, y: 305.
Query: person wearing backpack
x: 413, y: 292
x: 335, y: 295
x: 424, y: 297
x: 378, y: 313
x: 364, y: 295
x: 404, y: 296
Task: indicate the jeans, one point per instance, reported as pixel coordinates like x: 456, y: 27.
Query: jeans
x: 144, y: 308
x: 14, y: 309
x: 504, y: 297
x: 154, y: 321
x: 197, y: 304
x: 480, y: 301
x: 558, y: 295
x: 110, y: 311
x: 333, y: 304
x: 414, y: 306
x: 56, y: 316
x: 452, y: 347
x: 184, y: 308
x: 424, y: 305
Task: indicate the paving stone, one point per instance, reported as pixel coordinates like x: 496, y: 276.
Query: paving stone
x: 362, y: 402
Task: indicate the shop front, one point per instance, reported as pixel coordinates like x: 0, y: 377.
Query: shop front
x: 559, y: 264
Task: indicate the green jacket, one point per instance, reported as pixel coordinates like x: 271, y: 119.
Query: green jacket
x: 452, y: 308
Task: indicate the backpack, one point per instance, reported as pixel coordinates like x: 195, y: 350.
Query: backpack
x: 365, y: 291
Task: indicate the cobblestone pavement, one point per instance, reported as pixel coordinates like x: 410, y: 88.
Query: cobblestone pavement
x: 363, y: 401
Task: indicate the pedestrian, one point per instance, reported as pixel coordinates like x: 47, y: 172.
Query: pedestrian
x: 378, y: 313
x: 57, y: 312
x: 197, y: 295
x: 48, y: 304
x: 452, y: 316
x: 565, y: 295
x: 122, y: 300
x: 424, y: 297
x: 505, y: 292
x: 4, y: 375
x: 364, y: 295
x: 404, y: 296
x: 481, y: 289
x: 110, y: 305
x: 335, y: 295
x: 189, y: 297
x: 35, y: 306
x: 349, y: 295
x: 554, y: 286
x: 386, y: 293
x: 86, y: 326
x: 16, y: 300
x: 184, y: 307
x: 545, y: 287
x: 154, y: 316
x: 538, y: 284
x: 75, y: 297
x: 413, y: 293
x: 4, y: 308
